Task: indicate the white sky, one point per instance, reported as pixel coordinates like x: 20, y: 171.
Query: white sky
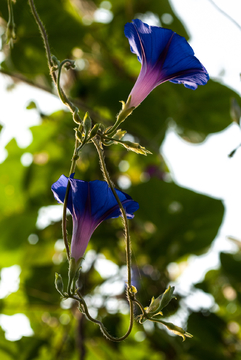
x: 204, y: 168
x: 218, y: 46
x: 215, y: 38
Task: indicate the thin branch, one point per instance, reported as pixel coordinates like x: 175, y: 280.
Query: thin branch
x: 45, y: 39
x: 225, y: 14
x: 85, y: 310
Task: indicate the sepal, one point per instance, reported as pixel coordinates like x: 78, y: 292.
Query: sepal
x: 125, y: 111
x: 135, y: 147
x: 119, y: 134
x: 73, y: 275
x: 79, y: 134
x: 175, y: 329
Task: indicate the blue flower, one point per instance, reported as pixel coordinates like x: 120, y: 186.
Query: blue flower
x: 164, y: 56
x: 90, y: 203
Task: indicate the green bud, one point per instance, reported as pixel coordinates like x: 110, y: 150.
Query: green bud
x: 59, y: 283
x: 166, y: 297
x: 133, y: 289
x: 160, y: 302
x: 94, y: 131
x: 87, y: 123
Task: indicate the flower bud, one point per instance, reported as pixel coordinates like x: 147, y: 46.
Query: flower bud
x: 87, y: 123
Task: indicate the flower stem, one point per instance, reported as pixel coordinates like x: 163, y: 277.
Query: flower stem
x: 123, y: 213
x: 123, y: 114
x: 72, y: 170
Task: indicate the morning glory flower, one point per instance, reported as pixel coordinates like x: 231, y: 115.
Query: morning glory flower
x: 90, y: 203
x: 164, y: 56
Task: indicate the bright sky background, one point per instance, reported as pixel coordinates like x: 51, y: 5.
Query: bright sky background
x: 204, y: 168
x: 214, y: 37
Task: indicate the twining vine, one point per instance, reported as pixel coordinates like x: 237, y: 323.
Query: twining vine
x: 158, y: 66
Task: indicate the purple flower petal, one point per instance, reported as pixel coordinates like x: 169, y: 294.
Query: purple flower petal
x: 90, y: 203
x: 59, y: 190
x: 165, y: 56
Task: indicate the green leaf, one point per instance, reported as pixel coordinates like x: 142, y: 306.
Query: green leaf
x: 184, y: 222
x: 31, y: 105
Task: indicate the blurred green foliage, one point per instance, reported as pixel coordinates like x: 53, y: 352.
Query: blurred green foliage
x: 172, y: 222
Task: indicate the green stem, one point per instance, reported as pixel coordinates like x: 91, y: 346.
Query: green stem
x: 72, y: 170
x: 76, y: 118
x: 113, y: 128
x: 123, y: 213
x: 74, y: 110
x: 140, y: 306
x: 123, y: 114
x: 101, y: 325
x: 10, y: 12
x: 64, y: 227
x: 56, y: 79
x: 111, y: 131
x: 11, y: 24
x: 114, y: 140
x: 130, y: 296
x: 45, y: 38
